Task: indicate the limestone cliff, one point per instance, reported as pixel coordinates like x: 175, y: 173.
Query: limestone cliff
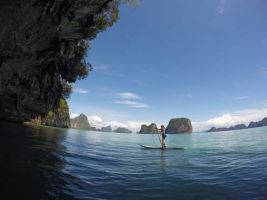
x: 80, y: 122
x: 179, y: 125
x: 151, y: 129
x: 42, y: 44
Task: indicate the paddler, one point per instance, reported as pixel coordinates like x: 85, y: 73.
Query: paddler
x: 163, y: 136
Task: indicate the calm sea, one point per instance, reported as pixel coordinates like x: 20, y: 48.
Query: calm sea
x: 49, y: 163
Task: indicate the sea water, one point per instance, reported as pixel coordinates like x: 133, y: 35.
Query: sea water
x: 51, y: 163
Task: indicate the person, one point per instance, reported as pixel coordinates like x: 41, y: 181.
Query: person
x: 163, y: 136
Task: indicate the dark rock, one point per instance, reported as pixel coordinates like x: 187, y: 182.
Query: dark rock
x: 122, y: 130
x: 179, y: 125
x: 106, y: 129
x: 261, y: 123
x: 151, y: 129
x: 253, y: 125
x: 212, y: 129
x: 238, y: 127
x: 80, y: 122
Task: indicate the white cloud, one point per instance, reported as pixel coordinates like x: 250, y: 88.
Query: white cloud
x: 241, y: 97
x: 128, y: 95
x: 136, y: 124
x: 80, y: 91
x: 100, y: 67
x: 231, y: 118
x: 129, y: 99
x: 132, y: 104
x: 73, y: 115
x: 95, y: 118
x: 221, y: 7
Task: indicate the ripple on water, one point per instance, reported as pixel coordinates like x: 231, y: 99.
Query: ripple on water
x: 71, y: 164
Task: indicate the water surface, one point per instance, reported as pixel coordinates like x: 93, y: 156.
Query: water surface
x: 51, y: 163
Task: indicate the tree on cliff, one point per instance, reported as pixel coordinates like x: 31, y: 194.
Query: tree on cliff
x: 42, y: 48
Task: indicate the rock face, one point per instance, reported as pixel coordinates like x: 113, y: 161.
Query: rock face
x: 179, y: 125
x: 80, y: 122
x: 41, y: 43
x: 59, y: 117
x: 151, y: 129
x: 122, y: 130
x: 106, y: 129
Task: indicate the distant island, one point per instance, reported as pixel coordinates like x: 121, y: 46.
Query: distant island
x: 175, y: 126
x: 106, y: 129
x: 122, y: 130
x: 81, y: 122
x: 261, y: 123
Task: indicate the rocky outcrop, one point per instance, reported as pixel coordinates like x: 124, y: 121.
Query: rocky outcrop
x: 122, y: 130
x: 261, y: 123
x: 236, y: 127
x: 106, y: 129
x: 80, y: 122
x: 151, y: 129
x: 59, y: 117
x: 179, y: 125
x: 42, y: 44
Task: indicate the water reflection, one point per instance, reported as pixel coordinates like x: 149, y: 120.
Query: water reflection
x: 162, y: 161
x: 31, y: 163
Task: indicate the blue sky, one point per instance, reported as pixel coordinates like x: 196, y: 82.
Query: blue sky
x: 205, y: 60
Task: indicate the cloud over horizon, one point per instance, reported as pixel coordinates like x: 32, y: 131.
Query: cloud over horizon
x: 231, y: 119
x: 99, y: 122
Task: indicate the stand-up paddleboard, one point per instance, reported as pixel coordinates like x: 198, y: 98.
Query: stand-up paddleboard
x: 167, y: 148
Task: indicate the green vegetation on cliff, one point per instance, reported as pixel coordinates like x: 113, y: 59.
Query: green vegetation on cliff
x: 58, y: 117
